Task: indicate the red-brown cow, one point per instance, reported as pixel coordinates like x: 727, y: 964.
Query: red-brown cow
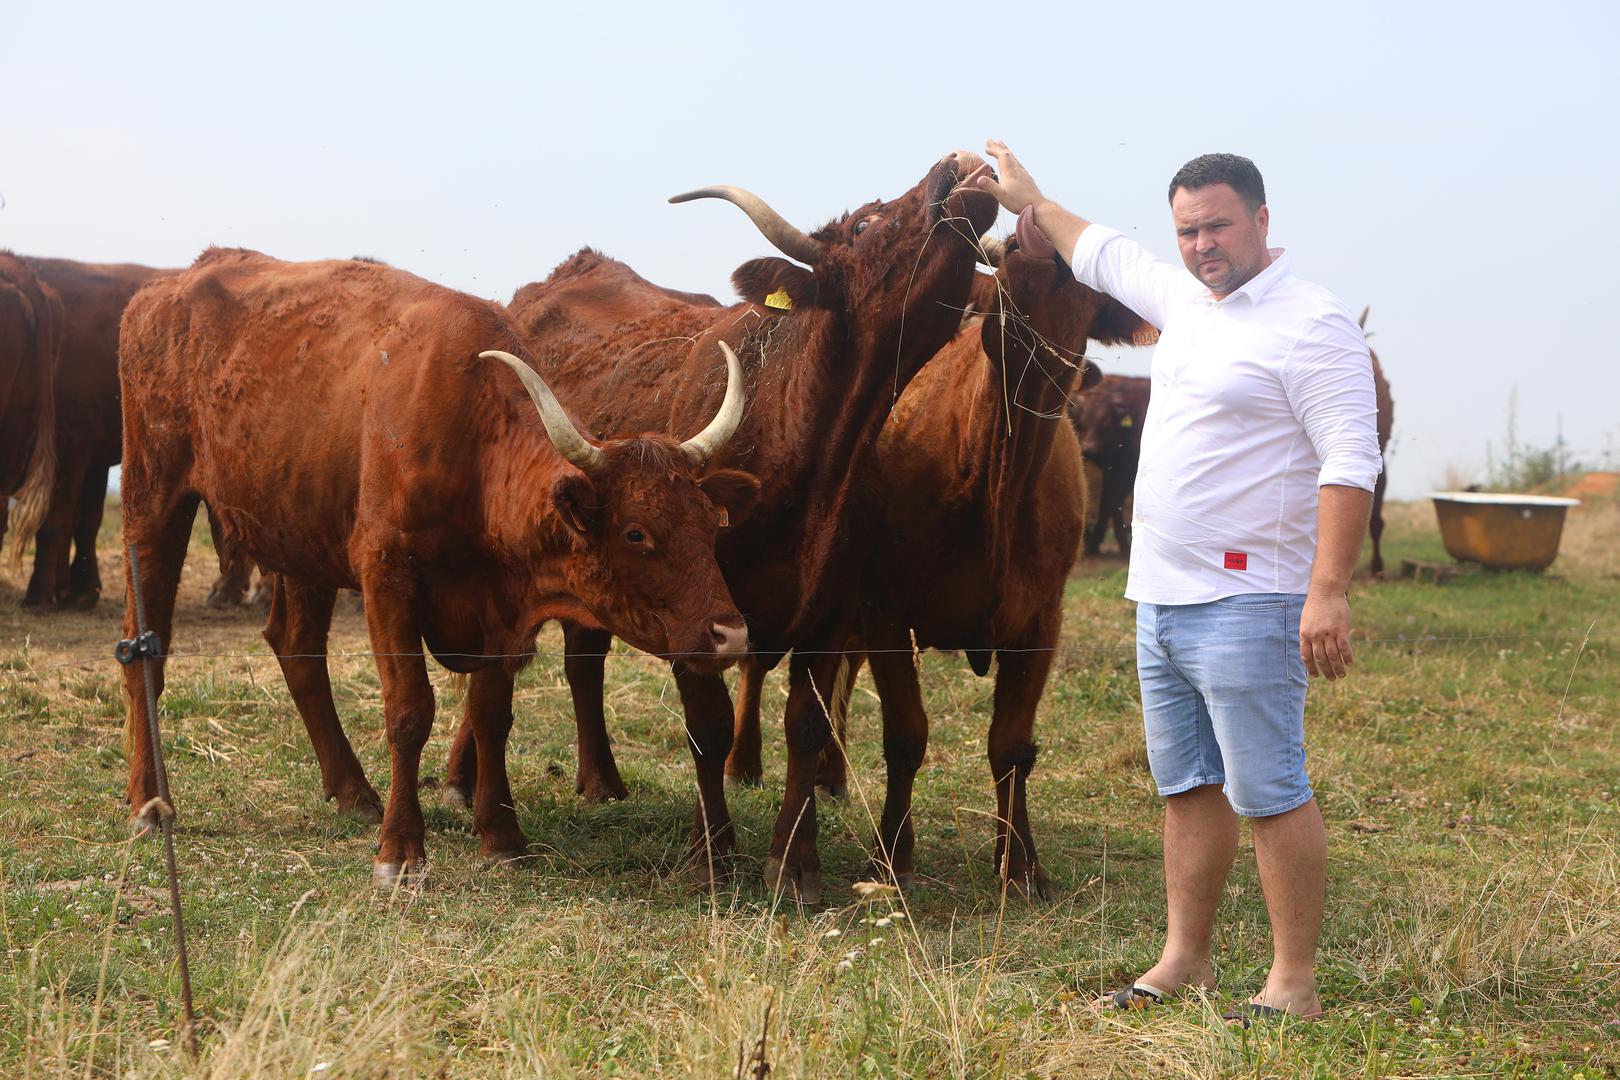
x: 1386, y: 425
x: 30, y: 341
x: 342, y: 424
x: 88, y: 432
x: 828, y: 349
x: 1108, y: 418
x: 980, y: 500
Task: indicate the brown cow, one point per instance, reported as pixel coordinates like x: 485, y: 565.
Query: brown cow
x: 1386, y: 425
x: 88, y: 434
x: 981, y: 498
x: 30, y: 340
x: 1108, y: 418
x: 344, y: 430
x: 828, y: 349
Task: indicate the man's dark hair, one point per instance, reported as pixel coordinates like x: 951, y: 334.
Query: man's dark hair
x: 1231, y: 169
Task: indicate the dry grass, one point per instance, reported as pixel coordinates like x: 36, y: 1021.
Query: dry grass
x: 1471, y: 791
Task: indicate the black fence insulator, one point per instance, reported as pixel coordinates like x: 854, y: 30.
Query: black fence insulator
x: 141, y: 647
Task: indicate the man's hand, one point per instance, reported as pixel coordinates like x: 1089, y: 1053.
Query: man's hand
x: 1016, y: 189
x: 1324, y: 635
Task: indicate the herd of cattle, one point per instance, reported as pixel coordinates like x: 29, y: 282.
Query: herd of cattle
x: 885, y: 466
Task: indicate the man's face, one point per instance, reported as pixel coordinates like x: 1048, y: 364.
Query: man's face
x: 1222, y: 243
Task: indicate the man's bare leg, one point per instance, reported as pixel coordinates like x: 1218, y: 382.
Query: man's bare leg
x: 1200, y: 842
x: 1291, y: 849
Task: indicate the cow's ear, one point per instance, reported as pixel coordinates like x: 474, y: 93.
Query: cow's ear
x: 1116, y: 324
x: 1090, y: 375
x: 577, y: 503
x: 735, y: 492
x: 775, y: 283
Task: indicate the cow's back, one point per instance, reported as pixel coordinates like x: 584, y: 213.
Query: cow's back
x: 302, y: 400
x: 93, y: 299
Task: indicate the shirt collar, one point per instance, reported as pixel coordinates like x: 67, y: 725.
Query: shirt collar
x: 1257, y: 287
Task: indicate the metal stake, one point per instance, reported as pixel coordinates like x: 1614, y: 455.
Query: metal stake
x: 146, y: 648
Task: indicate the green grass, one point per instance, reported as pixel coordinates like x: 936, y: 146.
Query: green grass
x: 1471, y: 788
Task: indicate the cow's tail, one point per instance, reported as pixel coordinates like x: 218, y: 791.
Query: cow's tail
x: 34, y: 497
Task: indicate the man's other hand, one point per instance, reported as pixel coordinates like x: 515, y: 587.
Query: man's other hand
x: 1324, y: 635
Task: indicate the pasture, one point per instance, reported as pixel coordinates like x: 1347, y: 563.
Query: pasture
x: 1469, y: 773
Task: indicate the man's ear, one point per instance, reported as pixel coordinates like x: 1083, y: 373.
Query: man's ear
x: 735, y: 492
x: 775, y: 283
x: 1090, y: 375
x: 577, y: 503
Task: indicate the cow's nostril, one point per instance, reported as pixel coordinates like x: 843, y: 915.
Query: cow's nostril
x: 729, y: 640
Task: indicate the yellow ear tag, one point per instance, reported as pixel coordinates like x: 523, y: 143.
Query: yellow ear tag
x: 1126, y: 421
x: 780, y: 299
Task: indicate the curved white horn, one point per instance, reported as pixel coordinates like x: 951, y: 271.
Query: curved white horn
x: 777, y: 229
x: 992, y: 249
x: 708, y: 442
x: 588, y: 458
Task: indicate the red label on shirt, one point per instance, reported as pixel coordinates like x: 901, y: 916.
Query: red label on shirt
x: 1237, y: 560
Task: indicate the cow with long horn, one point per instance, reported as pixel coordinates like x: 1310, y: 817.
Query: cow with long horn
x: 980, y: 500
x: 353, y: 426
x: 828, y: 341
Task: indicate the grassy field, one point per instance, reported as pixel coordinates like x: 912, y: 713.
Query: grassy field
x: 1468, y: 771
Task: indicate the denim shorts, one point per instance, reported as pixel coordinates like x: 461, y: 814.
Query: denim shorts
x: 1223, y: 699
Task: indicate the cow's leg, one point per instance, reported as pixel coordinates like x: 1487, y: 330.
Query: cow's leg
x: 235, y: 570
x: 794, y: 866
x: 1122, y: 531
x: 905, y: 743
x: 743, y: 765
x: 1375, y: 525
x: 158, y: 529
x: 713, y: 838
x: 1021, y: 672
x: 54, y: 541
x: 832, y: 770
x: 584, y: 665
x: 84, y: 575
x: 300, y: 619
x: 488, y: 711
x: 408, y: 715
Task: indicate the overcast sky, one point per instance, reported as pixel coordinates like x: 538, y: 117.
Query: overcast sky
x: 1454, y: 165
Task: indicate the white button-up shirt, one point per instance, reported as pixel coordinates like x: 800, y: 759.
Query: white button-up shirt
x: 1259, y: 398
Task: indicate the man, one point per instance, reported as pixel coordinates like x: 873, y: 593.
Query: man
x: 1259, y: 456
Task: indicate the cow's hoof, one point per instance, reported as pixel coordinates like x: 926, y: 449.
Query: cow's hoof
x: 833, y: 791
x: 1031, y: 883
x: 455, y: 798
x: 801, y: 886
x: 736, y: 781
x: 599, y: 790
x: 365, y: 808
x: 390, y: 877
x: 507, y: 856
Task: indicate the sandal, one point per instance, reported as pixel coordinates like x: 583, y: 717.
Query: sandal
x: 1245, y: 1015
x: 1138, y: 995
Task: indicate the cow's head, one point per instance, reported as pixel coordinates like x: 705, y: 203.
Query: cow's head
x: 889, y: 279
x: 1036, y: 304
x: 642, y: 516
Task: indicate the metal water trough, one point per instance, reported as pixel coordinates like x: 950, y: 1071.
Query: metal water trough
x: 1501, y: 531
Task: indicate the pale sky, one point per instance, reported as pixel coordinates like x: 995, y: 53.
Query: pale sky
x: 1445, y: 163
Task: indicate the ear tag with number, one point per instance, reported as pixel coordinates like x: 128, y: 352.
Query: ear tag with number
x: 780, y: 299
x: 725, y: 517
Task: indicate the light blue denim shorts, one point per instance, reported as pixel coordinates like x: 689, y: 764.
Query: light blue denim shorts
x: 1223, y: 699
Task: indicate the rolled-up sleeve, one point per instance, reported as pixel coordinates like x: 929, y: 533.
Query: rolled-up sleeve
x: 1113, y: 263
x: 1328, y: 379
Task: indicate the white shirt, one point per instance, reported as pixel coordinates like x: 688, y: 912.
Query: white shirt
x: 1258, y: 399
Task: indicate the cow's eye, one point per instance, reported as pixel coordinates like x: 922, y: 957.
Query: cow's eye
x: 860, y: 226
x: 635, y: 536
